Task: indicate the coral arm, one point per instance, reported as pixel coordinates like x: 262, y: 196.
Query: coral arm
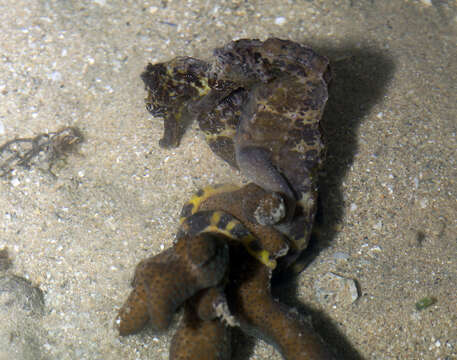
x: 164, y: 282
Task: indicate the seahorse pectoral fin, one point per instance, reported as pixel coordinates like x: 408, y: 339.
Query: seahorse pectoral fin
x: 255, y: 163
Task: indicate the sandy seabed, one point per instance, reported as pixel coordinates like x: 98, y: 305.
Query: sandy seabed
x: 388, y: 193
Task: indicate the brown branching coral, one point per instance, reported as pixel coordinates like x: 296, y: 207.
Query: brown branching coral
x: 259, y: 315
x: 201, y: 334
x: 163, y: 282
x: 241, y: 296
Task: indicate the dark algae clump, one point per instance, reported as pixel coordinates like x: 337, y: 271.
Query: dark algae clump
x: 42, y: 151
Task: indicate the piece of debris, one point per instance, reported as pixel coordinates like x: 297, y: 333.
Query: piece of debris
x: 42, y: 151
x: 425, y: 302
x: 5, y: 261
x: 333, y: 289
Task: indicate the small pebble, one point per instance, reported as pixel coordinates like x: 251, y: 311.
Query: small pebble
x: 423, y: 203
x: 340, y: 256
x: 335, y: 290
x: 280, y: 20
x: 2, y: 128
x: 378, y: 225
x: 55, y: 76
x: 426, y: 2
x: 15, y: 182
